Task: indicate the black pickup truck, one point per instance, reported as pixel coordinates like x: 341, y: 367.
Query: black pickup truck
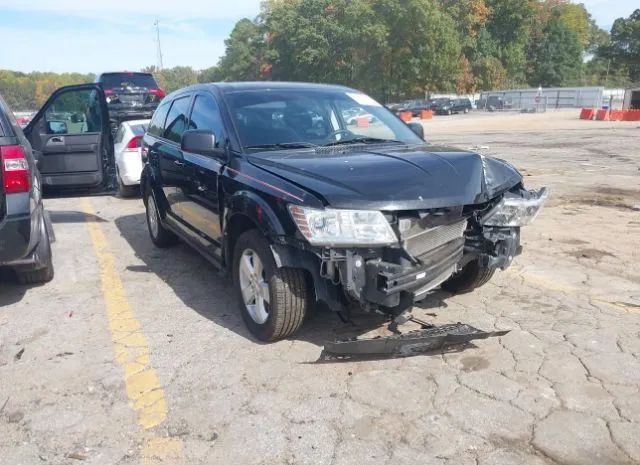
x: 269, y: 182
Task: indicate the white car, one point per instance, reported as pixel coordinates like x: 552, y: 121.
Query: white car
x: 127, y: 143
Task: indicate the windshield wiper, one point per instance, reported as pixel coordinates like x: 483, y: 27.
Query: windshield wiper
x: 363, y: 140
x: 283, y: 145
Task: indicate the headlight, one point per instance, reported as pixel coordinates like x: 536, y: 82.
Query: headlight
x: 516, y: 211
x: 343, y: 227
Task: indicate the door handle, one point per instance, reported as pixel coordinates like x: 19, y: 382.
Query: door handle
x: 57, y: 140
x: 178, y: 162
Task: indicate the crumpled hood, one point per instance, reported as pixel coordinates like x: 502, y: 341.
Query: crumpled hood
x: 392, y: 178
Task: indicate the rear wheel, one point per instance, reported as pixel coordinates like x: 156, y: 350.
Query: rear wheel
x: 160, y: 236
x: 126, y: 191
x: 44, y: 274
x: 273, y: 300
x: 469, y: 278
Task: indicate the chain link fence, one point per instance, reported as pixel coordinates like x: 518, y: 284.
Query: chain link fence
x: 541, y: 100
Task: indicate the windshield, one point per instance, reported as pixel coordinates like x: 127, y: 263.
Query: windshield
x: 306, y: 118
x: 113, y: 80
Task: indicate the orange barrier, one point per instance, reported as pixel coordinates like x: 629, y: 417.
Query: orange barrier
x: 406, y: 116
x: 610, y: 115
x: 362, y: 121
x: 616, y: 115
x: 426, y: 114
x: 587, y: 113
x: 631, y: 115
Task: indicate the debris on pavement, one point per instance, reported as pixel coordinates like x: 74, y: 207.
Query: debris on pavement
x: 404, y: 345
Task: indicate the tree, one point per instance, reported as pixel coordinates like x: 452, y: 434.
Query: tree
x: 490, y: 74
x: 557, y: 58
x: 625, y: 44
x: 509, y: 28
x: 244, y: 53
x: 211, y: 74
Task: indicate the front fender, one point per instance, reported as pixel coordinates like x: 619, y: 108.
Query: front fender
x: 257, y: 209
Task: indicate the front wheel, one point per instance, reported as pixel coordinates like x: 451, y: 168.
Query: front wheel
x: 470, y: 277
x: 273, y: 300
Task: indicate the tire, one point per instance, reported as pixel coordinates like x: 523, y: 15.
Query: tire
x: 466, y: 110
x: 469, y: 278
x: 449, y: 112
x: 288, y: 295
x: 125, y: 191
x: 160, y: 236
x: 44, y: 274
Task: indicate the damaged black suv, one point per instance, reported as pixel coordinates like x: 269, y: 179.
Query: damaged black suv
x: 269, y: 182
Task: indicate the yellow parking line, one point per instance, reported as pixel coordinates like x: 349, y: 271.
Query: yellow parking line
x: 142, y: 385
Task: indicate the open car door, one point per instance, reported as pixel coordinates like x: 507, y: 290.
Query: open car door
x: 71, y: 137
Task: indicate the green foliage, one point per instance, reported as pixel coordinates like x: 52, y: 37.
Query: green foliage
x: 625, y: 44
x: 171, y: 79
x: 243, y: 54
x: 29, y: 91
x: 397, y: 49
x: 557, y: 58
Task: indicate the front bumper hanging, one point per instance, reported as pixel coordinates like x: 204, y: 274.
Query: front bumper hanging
x: 404, y: 345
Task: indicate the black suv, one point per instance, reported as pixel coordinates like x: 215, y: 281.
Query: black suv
x: 450, y: 106
x: 24, y: 237
x: 130, y: 95
x: 303, y: 208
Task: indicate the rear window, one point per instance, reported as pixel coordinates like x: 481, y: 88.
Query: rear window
x: 139, y: 129
x: 113, y: 80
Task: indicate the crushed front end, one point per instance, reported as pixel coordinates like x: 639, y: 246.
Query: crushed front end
x: 386, y: 261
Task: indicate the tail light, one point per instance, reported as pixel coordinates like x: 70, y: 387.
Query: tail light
x: 158, y: 92
x: 134, y: 144
x: 15, y: 169
x: 108, y: 92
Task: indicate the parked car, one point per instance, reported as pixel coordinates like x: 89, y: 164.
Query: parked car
x: 451, y: 106
x: 24, y: 239
x: 130, y: 95
x: 494, y: 102
x: 299, y: 213
x: 73, y: 135
x: 416, y: 107
x: 126, y: 145
x: 352, y: 116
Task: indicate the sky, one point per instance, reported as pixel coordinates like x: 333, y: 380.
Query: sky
x: 90, y: 36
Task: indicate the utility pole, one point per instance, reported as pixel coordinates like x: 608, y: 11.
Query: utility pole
x: 159, y: 49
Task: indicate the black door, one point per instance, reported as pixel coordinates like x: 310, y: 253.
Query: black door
x: 199, y: 197
x: 73, y: 136
x: 170, y: 158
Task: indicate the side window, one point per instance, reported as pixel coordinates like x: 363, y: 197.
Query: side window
x: 156, y: 127
x: 74, y: 112
x: 206, y: 115
x: 177, y: 119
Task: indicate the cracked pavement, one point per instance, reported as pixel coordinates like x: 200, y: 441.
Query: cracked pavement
x: 561, y: 388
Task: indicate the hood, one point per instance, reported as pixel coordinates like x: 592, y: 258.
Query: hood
x: 391, y: 177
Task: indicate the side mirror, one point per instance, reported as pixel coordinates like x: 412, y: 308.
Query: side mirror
x: 417, y: 128
x: 200, y: 141
x: 57, y: 127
